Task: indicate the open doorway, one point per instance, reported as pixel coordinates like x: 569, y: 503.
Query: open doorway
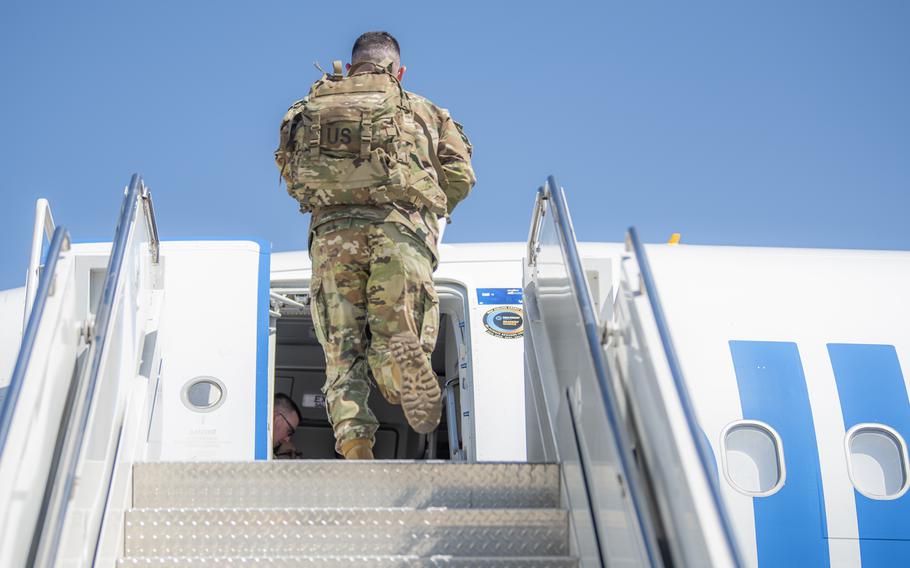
x: 300, y: 373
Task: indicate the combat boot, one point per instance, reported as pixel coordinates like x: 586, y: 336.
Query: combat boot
x: 421, y: 397
x: 357, y: 449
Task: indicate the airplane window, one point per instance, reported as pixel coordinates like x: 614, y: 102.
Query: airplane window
x: 878, y: 461
x: 753, y: 458
x: 203, y: 394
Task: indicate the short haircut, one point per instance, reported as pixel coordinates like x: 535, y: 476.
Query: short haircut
x: 376, y: 46
x: 284, y: 402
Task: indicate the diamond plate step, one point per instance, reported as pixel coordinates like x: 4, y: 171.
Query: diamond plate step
x: 346, y: 484
x: 344, y: 561
x: 304, y: 532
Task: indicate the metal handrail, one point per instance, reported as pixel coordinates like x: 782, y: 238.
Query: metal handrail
x: 60, y: 241
x: 536, y: 218
x: 149, y: 210
x: 554, y: 194
x: 704, y: 455
x: 67, y: 454
x: 281, y: 299
x: 43, y: 220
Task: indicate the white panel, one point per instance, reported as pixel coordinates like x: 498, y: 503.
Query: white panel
x: 497, y: 365
x: 27, y: 455
x: 844, y: 552
x: 715, y: 294
x: 211, y: 299
x: 711, y: 378
x: 118, y: 363
x: 12, y: 304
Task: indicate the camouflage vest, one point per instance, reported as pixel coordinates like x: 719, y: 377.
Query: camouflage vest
x: 353, y: 141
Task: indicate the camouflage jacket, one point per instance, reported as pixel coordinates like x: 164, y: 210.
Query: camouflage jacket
x: 454, y: 154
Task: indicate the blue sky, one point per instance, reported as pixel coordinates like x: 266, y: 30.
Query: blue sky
x: 773, y: 123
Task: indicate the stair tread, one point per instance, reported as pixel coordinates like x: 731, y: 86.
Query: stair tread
x: 458, y: 532
x: 183, y: 518
x: 378, y: 561
x: 390, y: 483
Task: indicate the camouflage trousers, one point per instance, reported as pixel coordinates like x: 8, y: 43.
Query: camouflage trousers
x: 370, y: 281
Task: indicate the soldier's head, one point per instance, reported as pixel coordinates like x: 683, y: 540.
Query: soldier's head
x: 285, y: 419
x: 374, y: 47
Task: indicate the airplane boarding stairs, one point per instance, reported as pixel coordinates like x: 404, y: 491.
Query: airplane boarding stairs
x: 618, y: 474
x: 331, y: 513
x: 606, y: 400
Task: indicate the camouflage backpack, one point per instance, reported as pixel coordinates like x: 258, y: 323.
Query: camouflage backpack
x: 353, y: 141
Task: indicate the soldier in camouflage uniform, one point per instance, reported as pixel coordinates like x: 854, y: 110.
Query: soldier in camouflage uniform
x: 373, y: 303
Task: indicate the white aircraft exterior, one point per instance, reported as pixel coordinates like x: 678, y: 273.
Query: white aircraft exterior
x: 707, y: 405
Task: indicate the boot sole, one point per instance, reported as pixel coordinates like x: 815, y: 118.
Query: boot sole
x: 420, y: 393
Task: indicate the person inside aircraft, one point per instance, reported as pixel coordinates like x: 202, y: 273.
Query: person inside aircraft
x: 285, y: 419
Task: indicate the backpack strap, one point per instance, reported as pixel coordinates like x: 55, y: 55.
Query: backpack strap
x: 366, y: 134
x: 434, y: 158
x: 356, y: 66
x: 315, y: 135
x: 337, y: 71
x: 384, y: 66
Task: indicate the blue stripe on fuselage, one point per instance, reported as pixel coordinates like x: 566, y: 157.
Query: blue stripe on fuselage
x: 789, y: 525
x: 871, y: 389
x: 261, y: 442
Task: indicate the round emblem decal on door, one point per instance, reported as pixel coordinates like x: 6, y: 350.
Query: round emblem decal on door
x: 504, y: 321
